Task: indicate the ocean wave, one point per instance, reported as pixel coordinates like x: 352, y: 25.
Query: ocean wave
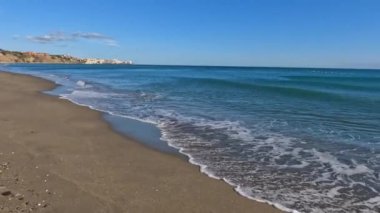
x: 81, y: 83
x: 89, y: 94
x: 271, y: 159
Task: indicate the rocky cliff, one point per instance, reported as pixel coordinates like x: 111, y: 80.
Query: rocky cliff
x: 33, y: 57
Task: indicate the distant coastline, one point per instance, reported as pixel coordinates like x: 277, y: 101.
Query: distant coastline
x: 7, y: 56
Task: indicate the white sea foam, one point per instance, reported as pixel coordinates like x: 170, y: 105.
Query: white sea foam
x: 81, y: 83
x: 339, y: 167
x: 88, y: 94
x: 280, y: 146
x: 248, y: 195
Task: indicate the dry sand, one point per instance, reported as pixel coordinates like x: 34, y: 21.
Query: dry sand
x: 59, y: 157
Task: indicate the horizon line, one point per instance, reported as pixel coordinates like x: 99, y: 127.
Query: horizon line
x: 225, y: 66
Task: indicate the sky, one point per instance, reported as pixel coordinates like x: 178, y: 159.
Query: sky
x: 285, y: 33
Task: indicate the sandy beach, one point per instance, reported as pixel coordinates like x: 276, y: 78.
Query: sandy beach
x: 59, y: 157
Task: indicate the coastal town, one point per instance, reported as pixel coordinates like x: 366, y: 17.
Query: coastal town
x: 105, y: 61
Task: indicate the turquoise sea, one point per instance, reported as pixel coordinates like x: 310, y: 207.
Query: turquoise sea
x: 306, y: 140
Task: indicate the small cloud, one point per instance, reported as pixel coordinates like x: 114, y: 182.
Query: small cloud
x: 56, y: 37
x: 63, y: 45
x: 95, y: 36
x: 50, y: 38
x: 111, y: 43
x: 16, y: 37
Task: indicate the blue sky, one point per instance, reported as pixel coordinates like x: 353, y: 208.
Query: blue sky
x: 306, y: 33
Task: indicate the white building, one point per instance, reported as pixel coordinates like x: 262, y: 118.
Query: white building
x: 105, y: 61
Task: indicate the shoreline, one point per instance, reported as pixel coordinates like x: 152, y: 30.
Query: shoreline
x: 185, y: 190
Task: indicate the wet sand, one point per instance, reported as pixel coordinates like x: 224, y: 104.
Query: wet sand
x: 59, y: 157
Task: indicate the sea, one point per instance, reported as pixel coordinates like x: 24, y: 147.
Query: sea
x: 302, y: 139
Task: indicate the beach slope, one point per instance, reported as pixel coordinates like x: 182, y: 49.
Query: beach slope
x: 59, y: 157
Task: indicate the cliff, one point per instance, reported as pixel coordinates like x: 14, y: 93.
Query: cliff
x: 33, y: 57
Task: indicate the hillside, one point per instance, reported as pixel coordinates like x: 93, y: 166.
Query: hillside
x: 33, y: 57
